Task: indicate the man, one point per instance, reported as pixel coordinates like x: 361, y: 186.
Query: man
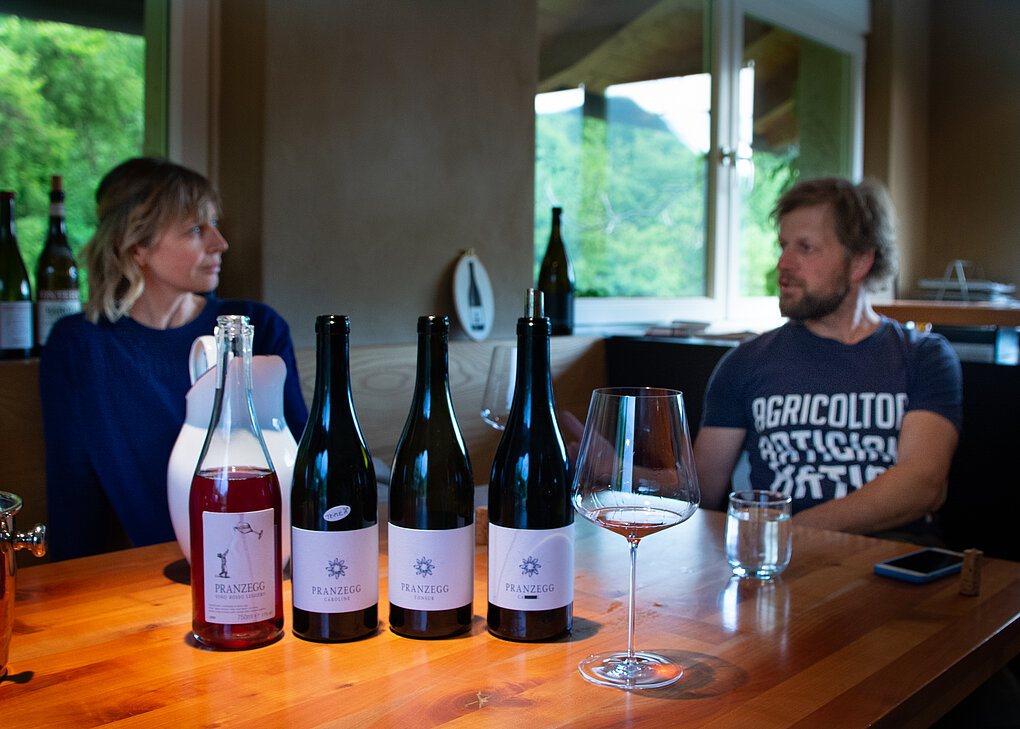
x: 854, y: 416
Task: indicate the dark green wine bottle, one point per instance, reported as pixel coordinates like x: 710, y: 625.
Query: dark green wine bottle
x: 556, y: 281
x: 431, y: 533
x: 531, y: 521
x: 15, y: 289
x: 333, y: 502
x: 56, y: 275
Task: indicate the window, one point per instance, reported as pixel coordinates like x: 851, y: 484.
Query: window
x: 794, y: 119
x: 627, y: 165
x: 666, y: 130
x: 71, y: 103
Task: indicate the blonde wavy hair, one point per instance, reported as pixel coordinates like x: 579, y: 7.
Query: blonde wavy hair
x: 135, y: 203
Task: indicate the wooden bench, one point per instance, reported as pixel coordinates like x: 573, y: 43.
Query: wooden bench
x: 22, y: 453
x: 382, y: 382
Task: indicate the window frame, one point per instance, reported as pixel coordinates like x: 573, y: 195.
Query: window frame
x: 838, y: 24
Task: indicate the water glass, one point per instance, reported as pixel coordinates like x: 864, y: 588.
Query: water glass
x: 759, y: 533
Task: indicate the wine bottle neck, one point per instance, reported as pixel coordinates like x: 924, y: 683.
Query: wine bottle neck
x: 7, y: 217
x: 332, y: 369
x: 58, y: 230
x: 555, y: 240
x: 554, y: 229
x: 57, y: 205
x: 233, y: 377
x: 234, y: 437
x: 534, y: 378
x: 432, y: 379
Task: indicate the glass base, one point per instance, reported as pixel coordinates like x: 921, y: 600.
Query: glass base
x: 637, y: 671
x: 759, y: 573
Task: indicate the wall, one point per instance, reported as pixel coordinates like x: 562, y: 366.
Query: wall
x: 896, y: 123
x: 974, y: 158
x: 942, y: 113
x: 241, y: 59
x: 361, y: 146
x: 365, y: 145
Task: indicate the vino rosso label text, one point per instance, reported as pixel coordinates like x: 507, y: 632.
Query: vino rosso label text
x: 240, y: 566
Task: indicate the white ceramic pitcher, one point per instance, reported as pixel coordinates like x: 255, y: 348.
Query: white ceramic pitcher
x: 268, y: 373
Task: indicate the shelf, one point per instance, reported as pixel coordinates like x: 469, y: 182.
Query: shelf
x: 952, y: 313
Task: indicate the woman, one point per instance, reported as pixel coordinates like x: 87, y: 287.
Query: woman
x: 113, y: 379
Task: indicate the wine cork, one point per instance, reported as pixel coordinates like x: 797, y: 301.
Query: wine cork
x: 970, y: 573
x: 482, y: 525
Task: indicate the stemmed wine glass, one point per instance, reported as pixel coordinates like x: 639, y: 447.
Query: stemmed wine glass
x: 634, y: 476
x: 499, y: 387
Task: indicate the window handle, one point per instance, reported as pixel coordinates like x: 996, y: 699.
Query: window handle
x: 725, y: 158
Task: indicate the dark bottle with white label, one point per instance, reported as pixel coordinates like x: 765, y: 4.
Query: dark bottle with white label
x: 556, y: 280
x: 15, y: 290
x: 531, y: 521
x: 235, y: 511
x: 334, y: 527
x: 431, y: 535
x: 56, y: 274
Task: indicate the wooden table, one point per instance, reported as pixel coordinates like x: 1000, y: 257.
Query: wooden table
x: 103, y: 641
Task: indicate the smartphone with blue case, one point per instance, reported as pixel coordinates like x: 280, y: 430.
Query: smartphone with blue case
x: 923, y: 565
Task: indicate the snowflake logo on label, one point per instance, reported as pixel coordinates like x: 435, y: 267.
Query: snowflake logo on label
x: 336, y: 568
x: 423, y: 566
x: 530, y: 566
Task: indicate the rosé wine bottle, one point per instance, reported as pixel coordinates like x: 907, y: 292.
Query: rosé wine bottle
x: 235, y: 512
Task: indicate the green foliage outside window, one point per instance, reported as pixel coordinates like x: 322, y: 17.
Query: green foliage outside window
x: 759, y: 246
x: 71, y: 104
x: 634, y: 207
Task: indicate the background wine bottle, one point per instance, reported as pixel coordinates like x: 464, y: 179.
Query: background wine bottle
x: 431, y: 534
x: 56, y: 275
x: 334, y: 532
x: 15, y: 289
x: 556, y: 280
x: 531, y: 521
x: 235, y: 512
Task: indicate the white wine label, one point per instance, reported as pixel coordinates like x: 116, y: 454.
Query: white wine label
x: 431, y: 569
x: 15, y: 325
x: 531, y: 569
x: 54, y: 305
x: 240, y: 566
x: 335, y: 572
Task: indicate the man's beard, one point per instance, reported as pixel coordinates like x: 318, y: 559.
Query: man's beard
x: 816, y: 305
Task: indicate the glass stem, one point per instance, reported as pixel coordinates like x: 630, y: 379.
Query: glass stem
x: 630, y: 606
